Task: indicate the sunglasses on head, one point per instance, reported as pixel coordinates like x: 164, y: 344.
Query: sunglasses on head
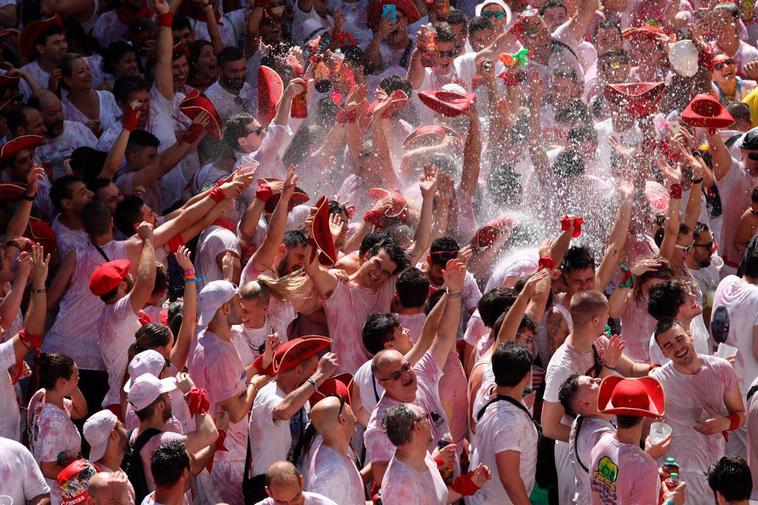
x: 397, y: 373
x: 494, y: 14
x: 449, y: 53
x: 719, y: 66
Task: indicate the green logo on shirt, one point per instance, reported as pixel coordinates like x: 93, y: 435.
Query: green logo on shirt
x: 607, y: 470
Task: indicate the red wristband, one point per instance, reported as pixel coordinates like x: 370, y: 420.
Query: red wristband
x: 175, y: 243
x: 32, y: 342
x: 439, y: 462
x: 264, y: 191
x: 217, y: 194
x: 734, y: 422
x: 166, y: 20
x: 546, y: 262
x: 258, y: 364
x: 566, y: 223
x: 197, y: 401
x: 130, y: 119
x: 375, y: 217
x: 464, y: 485
x: 675, y: 191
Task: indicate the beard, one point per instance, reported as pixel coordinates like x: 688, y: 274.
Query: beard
x: 54, y: 130
x: 233, y: 84
x: 704, y: 263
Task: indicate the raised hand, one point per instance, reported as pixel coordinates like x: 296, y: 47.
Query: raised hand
x: 160, y: 6
x: 145, y: 231
x: 530, y: 286
x: 481, y: 474
x: 465, y: 253
x: 328, y: 364
x: 182, y: 256
x: 658, y: 449
x: 25, y: 265
x: 40, y: 264
x: 454, y: 274
x: 428, y: 181
x: 269, y: 348
x: 184, y: 382
x: 612, y: 352
x: 716, y: 423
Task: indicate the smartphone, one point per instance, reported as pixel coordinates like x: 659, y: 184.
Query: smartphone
x: 389, y: 11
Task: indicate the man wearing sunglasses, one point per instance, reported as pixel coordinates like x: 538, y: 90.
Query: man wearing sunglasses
x: 434, y: 77
x: 726, y: 16
x: 727, y: 84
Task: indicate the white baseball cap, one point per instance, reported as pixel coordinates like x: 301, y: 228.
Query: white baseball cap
x: 97, y: 430
x: 147, y: 388
x: 149, y: 361
x: 212, y: 297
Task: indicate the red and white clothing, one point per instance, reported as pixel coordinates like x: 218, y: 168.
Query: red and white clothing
x: 116, y: 328
x: 216, y: 367
x: 74, y: 332
x: 54, y: 436
x: 57, y: 149
x: 20, y: 477
x: 213, y: 241
x: 586, y: 432
x: 335, y: 476
x: 491, y: 439
x: 740, y: 298
x: 428, y: 373
x: 402, y: 484
x: 66, y: 239
x: 347, y: 309
x: 686, y: 397
x: 623, y: 474
x: 109, y: 110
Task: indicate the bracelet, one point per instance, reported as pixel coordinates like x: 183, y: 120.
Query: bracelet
x: 546, y: 262
x: 193, y: 279
x: 453, y: 295
x: 217, y: 194
x: 668, y: 501
x: 166, y: 20
x: 734, y: 422
x: 312, y: 382
x: 254, y: 387
x: 629, y: 277
x: 189, y: 272
x: 696, y: 181
x: 606, y: 365
x: 675, y: 191
x: 35, y: 291
x: 29, y: 198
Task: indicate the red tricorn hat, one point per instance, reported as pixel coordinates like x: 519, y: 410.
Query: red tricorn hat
x: 338, y: 385
x: 108, y: 276
x: 11, y: 191
x: 33, y: 30
x: 437, y: 132
x: 295, y: 351
x: 639, y: 99
x: 13, y: 147
x: 9, y: 82
x: 447, y: 103
x: 705, y: 111
x: 407, y: 7
x: 299, y: 197
x: 270, y: 90
x: 641, y: 397
x: 648, y: 32
x: 194, y: 104
x: 399, y: 207
x: 322, y: 236
x: 41, y: 232
x: 487, y: 234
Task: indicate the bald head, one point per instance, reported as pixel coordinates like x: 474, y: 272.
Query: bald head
x: 47, y: 99
x: 99, y: 488
x: 324, y: 415
x: 383, y: 358
x: 282, y: 473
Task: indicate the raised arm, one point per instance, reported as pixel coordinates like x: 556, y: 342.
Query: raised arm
x: 672, y: 177
x: 145, y: 279
x: 422, y: 239
x: 454, y: 275
x: 294, y: 401
x: 515, y: 314
x: 617, y: 240
x: 181, y: 348
x: 578, y: 25
x: 472, y: 154
x: 20, y: 219
x: 162, y: 75
x: 213, y: 29
x: 428, y: 332
x: 381, y: 146
x: 264, y: 256
x: 721, y: 159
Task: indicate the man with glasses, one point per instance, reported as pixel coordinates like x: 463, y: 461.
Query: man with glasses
x: 699, y: 265
x: 419, y: 383
x: 332, y: 469
x: 231, y: 94
x: 727, y: 83
x: 424, y: 78
x: 726, y: 16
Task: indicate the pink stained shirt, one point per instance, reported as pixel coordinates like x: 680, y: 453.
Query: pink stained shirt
x: 622, y: 474
x: 735, y: 187
x: 404, y: 485
x: 217, y: 368
x: 116, y: 328
x: 150, y: 447
x: 346, y: 311
x: 335, y: 476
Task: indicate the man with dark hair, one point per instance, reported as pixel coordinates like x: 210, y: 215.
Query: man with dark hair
x: 49, y: 47
x: 23, y: 119
x: 412, y: 290
x: 412, y: 475
x: 441, y: 251
x: 676, y: 299
x: 512, y: 453
x: 480, y: 32
x: 697, y: 263
x: 430, y: 78
x: 391, y: 47
x: 230, y: 93
x: 69, y: 195
x: 731, y: 481
x: 703, y: 401
x: 171, y: 469
x: 108, y: 193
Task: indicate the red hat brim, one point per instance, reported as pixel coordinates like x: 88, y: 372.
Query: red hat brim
x: 430, y: 130
x: 41, y: 232
x: 447, y: 103
x: 652, y: 405
x: 322, y: 236
x: 338, y: 385
x: 270, y: 90
x: 13, y: 147
x: 11, y: 191
x: 407, y: 7
x: 194, y: 104
x: 648, y: 32
x: 705, y: 111
x: 295, y: 351
x: 639, y: 99
x: 33, y: 30
x: 399, y: 203
x: 299, y: 197
x: 9, y: 82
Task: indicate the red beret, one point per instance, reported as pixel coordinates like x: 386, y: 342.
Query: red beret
x: 399, y: 207
x: 108, y: 276
x: 447, y: 103
x: 648, y: 32
x: 295, y: 351
x: 14, y: 146
x: 194, y: 104
x: 33, y: 30
x: 639, y: 99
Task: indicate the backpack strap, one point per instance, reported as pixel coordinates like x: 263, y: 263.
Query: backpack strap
x: 517, y: 404
x: 579, y: 421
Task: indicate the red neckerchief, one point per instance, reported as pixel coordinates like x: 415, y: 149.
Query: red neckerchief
x: 127, y: 17
x: 225, y: 223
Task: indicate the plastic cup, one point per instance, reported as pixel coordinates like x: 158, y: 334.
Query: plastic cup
x: 726, y: 351
x: 5, y: 500
x: 659, y: 431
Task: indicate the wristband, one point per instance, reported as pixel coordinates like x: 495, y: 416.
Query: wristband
x: 312, y: 383
x: 453, y: 295
x: 189, y: 273
x: 566, y: 223
x: 668, y: 501
x: 166, y: 20
x: 264, y: 191
x: 439, y: 462
x: 217, y: 194
x: 734, y: 422
x: 464, y: 485
x: 31, y: 341
x: 675, y: 191
x: 546, y: 262
x: 697, y: 181
x: 696, y: 153
x: 193, y: 279
x: 609, y: 367
x: 193, y: 133
x: 130, y: 119
x: 29, y: 198
x: 197, y: 402
x: 629, y: 278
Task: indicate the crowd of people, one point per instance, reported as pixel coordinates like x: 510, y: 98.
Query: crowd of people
x: 408, y: 252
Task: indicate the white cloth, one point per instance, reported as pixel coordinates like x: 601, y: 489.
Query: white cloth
x: 581, y: 443
x: 20, y: 477
x: 269, y: 439
x: 213, y: 241
x: 109, y: 110
x: 55, y: 150
x: 310, y: 499
x: 369, y: 388
x: 66, y: 239
x: 10, y: 421
x: 227, y: 104
x: 116, y: 328
x: 402, y: 484
x: 335, y: 476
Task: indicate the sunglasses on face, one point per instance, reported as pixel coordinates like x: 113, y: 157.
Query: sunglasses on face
x: 494, y: 14
x: 422, y: 417
x: 719, y: 66
x: 449, y: 54
x: 397, y: 373
x: 753, y: 156
x: 342, y: 405
x: 708, y: 246
x: 258, y: 131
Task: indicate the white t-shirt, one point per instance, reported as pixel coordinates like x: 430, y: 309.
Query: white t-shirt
x: 735, y: 189
x: 402, y: 484
x: 150, y: 447
x: 270, y: 439
x: 370, y: 389
x: 741, y: 301
x: 39, y: 75
x: 116, y: 328
x: 752, y: 437
x: 55, y: 150
x: 491, y: 439
x: 10, y: 420
x: 592, y: 429
x: 213, y: 241
x: 20, y: 477
x: 108, y: 28
x: 66, y: 239
x: 228, y: 104
x: 310, y: 499
x: 335, y: 476
x: 622, y: 473
x: 74, y: 332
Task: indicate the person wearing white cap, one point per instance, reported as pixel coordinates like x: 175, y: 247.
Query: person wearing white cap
x: 108, y: 443
x: 148, y: 396
x: 497, y: 12
x: 216, y: 367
